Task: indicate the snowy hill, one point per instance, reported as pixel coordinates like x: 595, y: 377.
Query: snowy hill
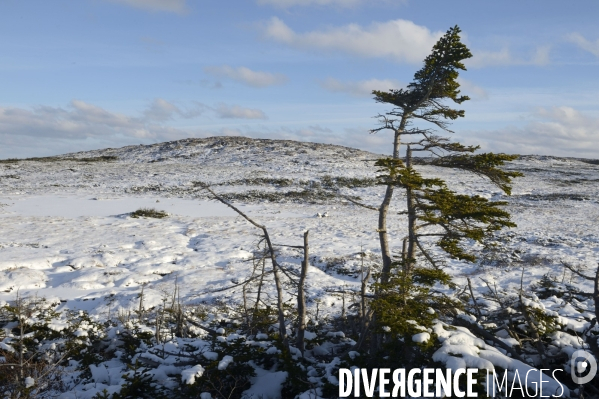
x: 225, y: 149
x: 66, y: 234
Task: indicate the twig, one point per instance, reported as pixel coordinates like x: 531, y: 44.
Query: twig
x: 372, y: 208
x: 473, y: 299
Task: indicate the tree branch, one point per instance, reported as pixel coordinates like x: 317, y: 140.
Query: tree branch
x: 579, y: 274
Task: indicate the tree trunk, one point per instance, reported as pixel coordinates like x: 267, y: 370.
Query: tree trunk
x: 275, y: 272
x: 21, y: 337
x: 383, y: 236
x: 383, y: 210
x: 257, y: 304
x: 363, y: 308
x: 411, y: 254
x: 596, y: 294
x: 301, y: 298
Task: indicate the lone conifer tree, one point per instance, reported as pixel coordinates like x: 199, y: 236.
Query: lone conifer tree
x: 431, y: 206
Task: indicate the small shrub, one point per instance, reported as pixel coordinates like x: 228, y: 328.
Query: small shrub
x: 336, y: 182
x: 590, y: 161
x: 44, y: 159
x: 148, y: 213
x: 102, y: 158
x: 304, y: 196
x: 138, y: 384
x: 258, y: 181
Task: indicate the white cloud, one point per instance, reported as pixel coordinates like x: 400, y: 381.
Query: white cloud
x: 236, y: 112
x: 162, y: 110
x: 490, y: 58
x: 335, y: 3
x: 504, y: 57
x: 587, y: 45
x: 247, y: 76
x: 291, y: 3
x: 541, y: 56
x: 81, y: 120
x: 361, y: 88
x: 44, y: 130
x: 361, y: 138
x: 364, y: 88
x: 400, y: 40
x: 472, y: 90
x: 153, y: 45
x: 79, y: 126
x: 176, y: 6
x: 562, y: 131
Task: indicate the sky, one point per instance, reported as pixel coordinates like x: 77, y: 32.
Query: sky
x: 78, y: 75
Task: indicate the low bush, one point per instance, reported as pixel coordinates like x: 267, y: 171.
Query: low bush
x: 149, y: 213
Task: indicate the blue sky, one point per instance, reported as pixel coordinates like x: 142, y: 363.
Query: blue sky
x: 87, y: 74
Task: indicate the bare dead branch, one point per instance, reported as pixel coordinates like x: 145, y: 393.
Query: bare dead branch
x: 372, y: 208
x: 275, y: 264
x: 578, y: 273
x: 473, y: 298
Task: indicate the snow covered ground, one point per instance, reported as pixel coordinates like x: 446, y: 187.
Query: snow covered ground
x: 66, y: 233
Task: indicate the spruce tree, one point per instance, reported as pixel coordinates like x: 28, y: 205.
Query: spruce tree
x: 439, y: 220
x: 429, y: 202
